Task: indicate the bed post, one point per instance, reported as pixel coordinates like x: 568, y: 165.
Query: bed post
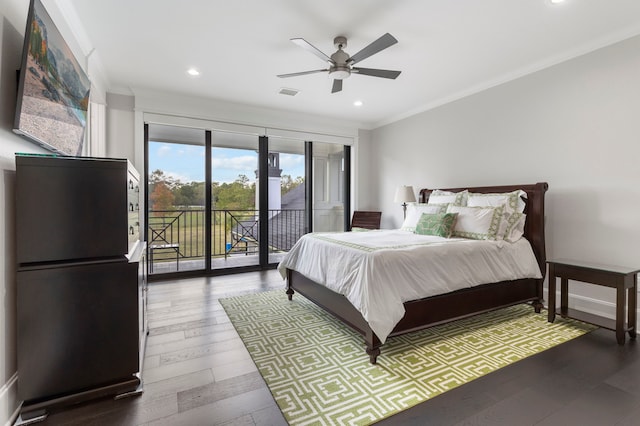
x: 289, y: 289
x: 373, y: 345
x: 537, y: 305
x: 534, y: 232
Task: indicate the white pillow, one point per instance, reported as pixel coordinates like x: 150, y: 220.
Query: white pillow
x: 511, y: 200
x: 414, y: 212
x: 513, y: 225
x: 477, y: 223
x: 447, y: 197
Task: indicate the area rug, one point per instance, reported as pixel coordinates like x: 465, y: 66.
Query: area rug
x: 319, y: 374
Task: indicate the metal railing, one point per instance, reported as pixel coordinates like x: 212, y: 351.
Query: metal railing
x: 177, y: 235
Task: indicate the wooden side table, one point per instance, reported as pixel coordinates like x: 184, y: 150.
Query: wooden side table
x: 623, y: 279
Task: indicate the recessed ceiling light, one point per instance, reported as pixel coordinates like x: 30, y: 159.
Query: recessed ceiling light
x: 357, y: 103
x: 193, y: 72
x: 556, y: 1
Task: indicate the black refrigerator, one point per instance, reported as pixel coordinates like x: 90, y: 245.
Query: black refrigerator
x: 79, y: 280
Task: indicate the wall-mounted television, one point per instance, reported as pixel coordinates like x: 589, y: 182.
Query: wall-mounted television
x: 53, y: 89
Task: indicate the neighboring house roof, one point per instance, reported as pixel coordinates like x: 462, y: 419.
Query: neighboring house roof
x: 294, y: 199
x: 285, y: 227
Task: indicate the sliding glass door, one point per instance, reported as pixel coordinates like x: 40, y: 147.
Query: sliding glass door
x: 287, y: 196
x: 176, y: 199
x: 235, y: 237
x: 219, y: 201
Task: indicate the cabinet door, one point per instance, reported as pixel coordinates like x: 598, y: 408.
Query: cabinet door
x: 77, y: 327
x: 70, y: 209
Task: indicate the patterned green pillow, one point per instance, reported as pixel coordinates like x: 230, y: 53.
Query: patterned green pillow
x: 438, y: 224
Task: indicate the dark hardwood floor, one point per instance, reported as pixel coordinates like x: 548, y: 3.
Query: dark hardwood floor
x: 198, y: 372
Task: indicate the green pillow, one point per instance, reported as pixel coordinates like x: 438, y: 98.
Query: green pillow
x: 438, y: 224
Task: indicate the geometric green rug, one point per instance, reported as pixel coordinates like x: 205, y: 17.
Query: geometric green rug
x: 319, y: 373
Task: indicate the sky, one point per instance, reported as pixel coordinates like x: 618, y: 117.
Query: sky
x: 186, y: 162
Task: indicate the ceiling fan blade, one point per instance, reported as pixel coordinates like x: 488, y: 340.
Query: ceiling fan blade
x: 378, y: 45
x: 294, y: 74
x: 311, y: 48
x: 337, y: 86
x: 376, y: 73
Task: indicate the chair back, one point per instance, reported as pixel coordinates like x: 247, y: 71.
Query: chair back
x: 366, y: 219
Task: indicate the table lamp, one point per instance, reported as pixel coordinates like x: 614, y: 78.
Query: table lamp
x: 404, y: 195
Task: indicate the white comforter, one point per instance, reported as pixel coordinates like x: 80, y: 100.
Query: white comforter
x: 378, y: 271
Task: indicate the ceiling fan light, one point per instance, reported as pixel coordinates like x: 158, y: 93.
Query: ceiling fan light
x: 339, y: 73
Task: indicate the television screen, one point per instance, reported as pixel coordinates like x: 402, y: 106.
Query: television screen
x: 53, y: 90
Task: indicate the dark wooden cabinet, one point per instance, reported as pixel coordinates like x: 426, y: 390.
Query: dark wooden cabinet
x: 81, y: 280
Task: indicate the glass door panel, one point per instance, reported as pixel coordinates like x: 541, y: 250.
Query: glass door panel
x: 328, y: 187
x: 235, y: 238
x: 287, y: 194
x: 176, y: 199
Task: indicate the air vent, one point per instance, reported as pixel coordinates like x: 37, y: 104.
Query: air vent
x: 288, y: 92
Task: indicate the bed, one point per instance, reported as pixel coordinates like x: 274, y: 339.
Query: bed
x: 428, y: 311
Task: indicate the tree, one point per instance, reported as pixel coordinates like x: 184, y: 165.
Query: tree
x: 238, y: 195
x: 159, y: 176
x: 191, y: 194
x: 287, y: 184
x: 161, y: 198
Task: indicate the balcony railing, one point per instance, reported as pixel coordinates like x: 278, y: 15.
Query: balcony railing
x: 177, y: 236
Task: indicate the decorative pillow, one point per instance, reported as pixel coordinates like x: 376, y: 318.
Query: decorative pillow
x: 477, y: 223
x: 511, y: 200
x: 438, y: 224
x: 415, y: 210
x: 447, y: 197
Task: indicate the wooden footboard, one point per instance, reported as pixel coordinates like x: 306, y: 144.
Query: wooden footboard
x: 423, y: 313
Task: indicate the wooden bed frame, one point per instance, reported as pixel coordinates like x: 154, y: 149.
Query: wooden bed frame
x: 439, y: 309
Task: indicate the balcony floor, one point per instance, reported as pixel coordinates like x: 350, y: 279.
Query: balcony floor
x: 231, y: 261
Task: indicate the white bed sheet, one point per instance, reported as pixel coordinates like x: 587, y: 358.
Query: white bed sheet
x: 378, y: 271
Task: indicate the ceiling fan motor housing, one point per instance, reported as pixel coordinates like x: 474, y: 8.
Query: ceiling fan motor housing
x: 341, y: 69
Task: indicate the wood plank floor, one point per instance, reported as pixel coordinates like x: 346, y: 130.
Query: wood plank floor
x: 198, y: 372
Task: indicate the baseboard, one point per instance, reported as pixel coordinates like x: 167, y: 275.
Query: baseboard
x: 9, y: 404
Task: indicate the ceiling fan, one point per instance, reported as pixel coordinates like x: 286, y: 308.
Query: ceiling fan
x: 341, y: 64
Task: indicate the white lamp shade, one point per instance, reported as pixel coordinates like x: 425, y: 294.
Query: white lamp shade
x: 404, y: 194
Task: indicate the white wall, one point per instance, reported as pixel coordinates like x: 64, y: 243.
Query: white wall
x: 120, y: 129
x: 575, y: 126
x: 361, y: 163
